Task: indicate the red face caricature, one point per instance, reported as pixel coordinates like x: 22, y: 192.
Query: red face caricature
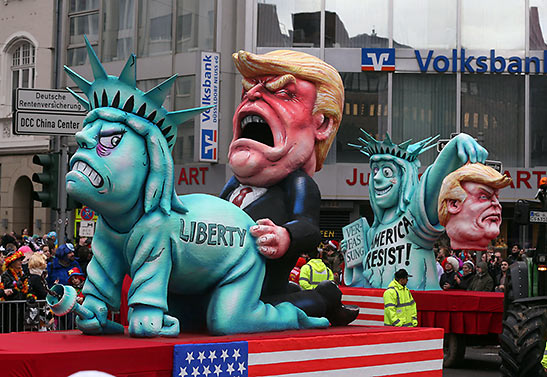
x: 477, y: 219
x: 469, y: 206
x: 274, y: 130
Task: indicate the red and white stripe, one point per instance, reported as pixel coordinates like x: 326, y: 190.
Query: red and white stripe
x: 417, y: 352
x: 370, y: 303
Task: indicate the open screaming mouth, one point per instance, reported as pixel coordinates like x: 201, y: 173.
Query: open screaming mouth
x: 94, y: 177
x: 254, y: 127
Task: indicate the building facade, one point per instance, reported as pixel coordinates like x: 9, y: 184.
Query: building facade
x: 27, y: 60
x: 411, y: 68
x: 418, y: 68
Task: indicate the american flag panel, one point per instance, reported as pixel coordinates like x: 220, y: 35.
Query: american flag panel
x: 370, y: 303
x: 211, y: 360
x: 384, y: 353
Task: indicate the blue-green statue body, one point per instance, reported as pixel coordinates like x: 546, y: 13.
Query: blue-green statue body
x: 406, y: 223
x: 192, y: 260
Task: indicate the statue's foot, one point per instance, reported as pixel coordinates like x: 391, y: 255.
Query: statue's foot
x: 147, y: 322
x: 338, y: 314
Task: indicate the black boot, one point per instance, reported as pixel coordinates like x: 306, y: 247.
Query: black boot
x: 337, y: 313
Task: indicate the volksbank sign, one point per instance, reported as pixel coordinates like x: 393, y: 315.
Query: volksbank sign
x: 480, y: 64
x: 385, y: 59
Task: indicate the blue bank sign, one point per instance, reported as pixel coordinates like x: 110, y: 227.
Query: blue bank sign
x: 209, y: 95
x: 378, y: 59
x: 480, y: 64
x: 383, y: 59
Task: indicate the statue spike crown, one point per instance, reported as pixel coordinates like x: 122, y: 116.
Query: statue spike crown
x: 410, y: 152
x: 121, y: 93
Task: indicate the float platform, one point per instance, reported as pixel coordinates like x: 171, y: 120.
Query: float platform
x: 339, y: 351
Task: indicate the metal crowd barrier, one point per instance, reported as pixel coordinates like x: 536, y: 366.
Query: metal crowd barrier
x: 16, y: 316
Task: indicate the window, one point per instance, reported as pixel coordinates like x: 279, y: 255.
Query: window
x: 493, y: 112
x: 154, y: 27
x: 538, y: 121
x: 424, y: 24
x: 538, y: 25
x: 184, y: 92
x: 195, y: 25
x: 118, y: 29
x: 22, y: 65
x: 183, y: 151
x: 493, y: 24
x: 350, y: 23
x: 83, y: 20
x: 420, y: 112
x: 287, y: 23
x: 366, y: 108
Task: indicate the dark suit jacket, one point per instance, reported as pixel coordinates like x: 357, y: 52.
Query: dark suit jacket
x: 294, y: 204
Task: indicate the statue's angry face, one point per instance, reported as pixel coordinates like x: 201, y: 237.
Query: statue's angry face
x: 109, y: 170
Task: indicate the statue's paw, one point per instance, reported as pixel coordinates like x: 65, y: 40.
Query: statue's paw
x: 145, y: 321
x: 171, y: 326
x: 90, y: 326
x: 306, y: 322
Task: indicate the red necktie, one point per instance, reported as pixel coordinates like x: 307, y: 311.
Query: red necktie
x: 242, y: 194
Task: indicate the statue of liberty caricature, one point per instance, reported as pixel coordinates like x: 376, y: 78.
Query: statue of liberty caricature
x: 406, y: 222
x: 193, y: 263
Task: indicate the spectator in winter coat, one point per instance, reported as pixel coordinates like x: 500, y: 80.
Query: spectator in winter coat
x: 76, y: 279
x: 515, y: 254
x: 83, y: 253
x: 27, y: 252
x: 333, y: 259
x: 501, y: 277
x: 295, y: 272
x: 37, y: 265
x: 13, y: 282
x: 482, y: 280
x: 448, y: 279
x: 64, y: 260
x: 468, y: 275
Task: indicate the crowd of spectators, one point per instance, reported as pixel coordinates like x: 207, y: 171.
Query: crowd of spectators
x: 464, y: 270
x: 475, y: 271
x: 30, y: 265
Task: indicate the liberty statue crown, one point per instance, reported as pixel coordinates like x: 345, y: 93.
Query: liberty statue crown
x: 122, y: 93
x: 410, y: 152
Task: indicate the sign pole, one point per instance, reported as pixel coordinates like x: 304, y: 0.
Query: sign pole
x: 63, y: 163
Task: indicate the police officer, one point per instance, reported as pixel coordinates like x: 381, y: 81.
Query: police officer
x: 399, y: 305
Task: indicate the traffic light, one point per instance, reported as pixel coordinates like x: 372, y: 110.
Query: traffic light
x: 49, y: 179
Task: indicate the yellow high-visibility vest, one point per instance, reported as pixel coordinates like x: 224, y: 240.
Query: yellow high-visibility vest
x: 399, y: 306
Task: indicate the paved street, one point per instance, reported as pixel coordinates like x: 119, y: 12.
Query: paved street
x: 479, y: 362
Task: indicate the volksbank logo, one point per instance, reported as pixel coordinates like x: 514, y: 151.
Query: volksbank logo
x: 208, y: 145
x: 480, y: 64
x: 378, y: 59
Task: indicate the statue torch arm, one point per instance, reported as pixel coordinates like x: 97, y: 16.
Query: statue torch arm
x: 105, y: 275
x: 460, y: 150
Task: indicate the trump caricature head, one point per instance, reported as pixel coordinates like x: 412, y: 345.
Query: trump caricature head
x: 469, y: 206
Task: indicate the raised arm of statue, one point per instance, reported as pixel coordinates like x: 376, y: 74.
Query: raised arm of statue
x: 460, y: 150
